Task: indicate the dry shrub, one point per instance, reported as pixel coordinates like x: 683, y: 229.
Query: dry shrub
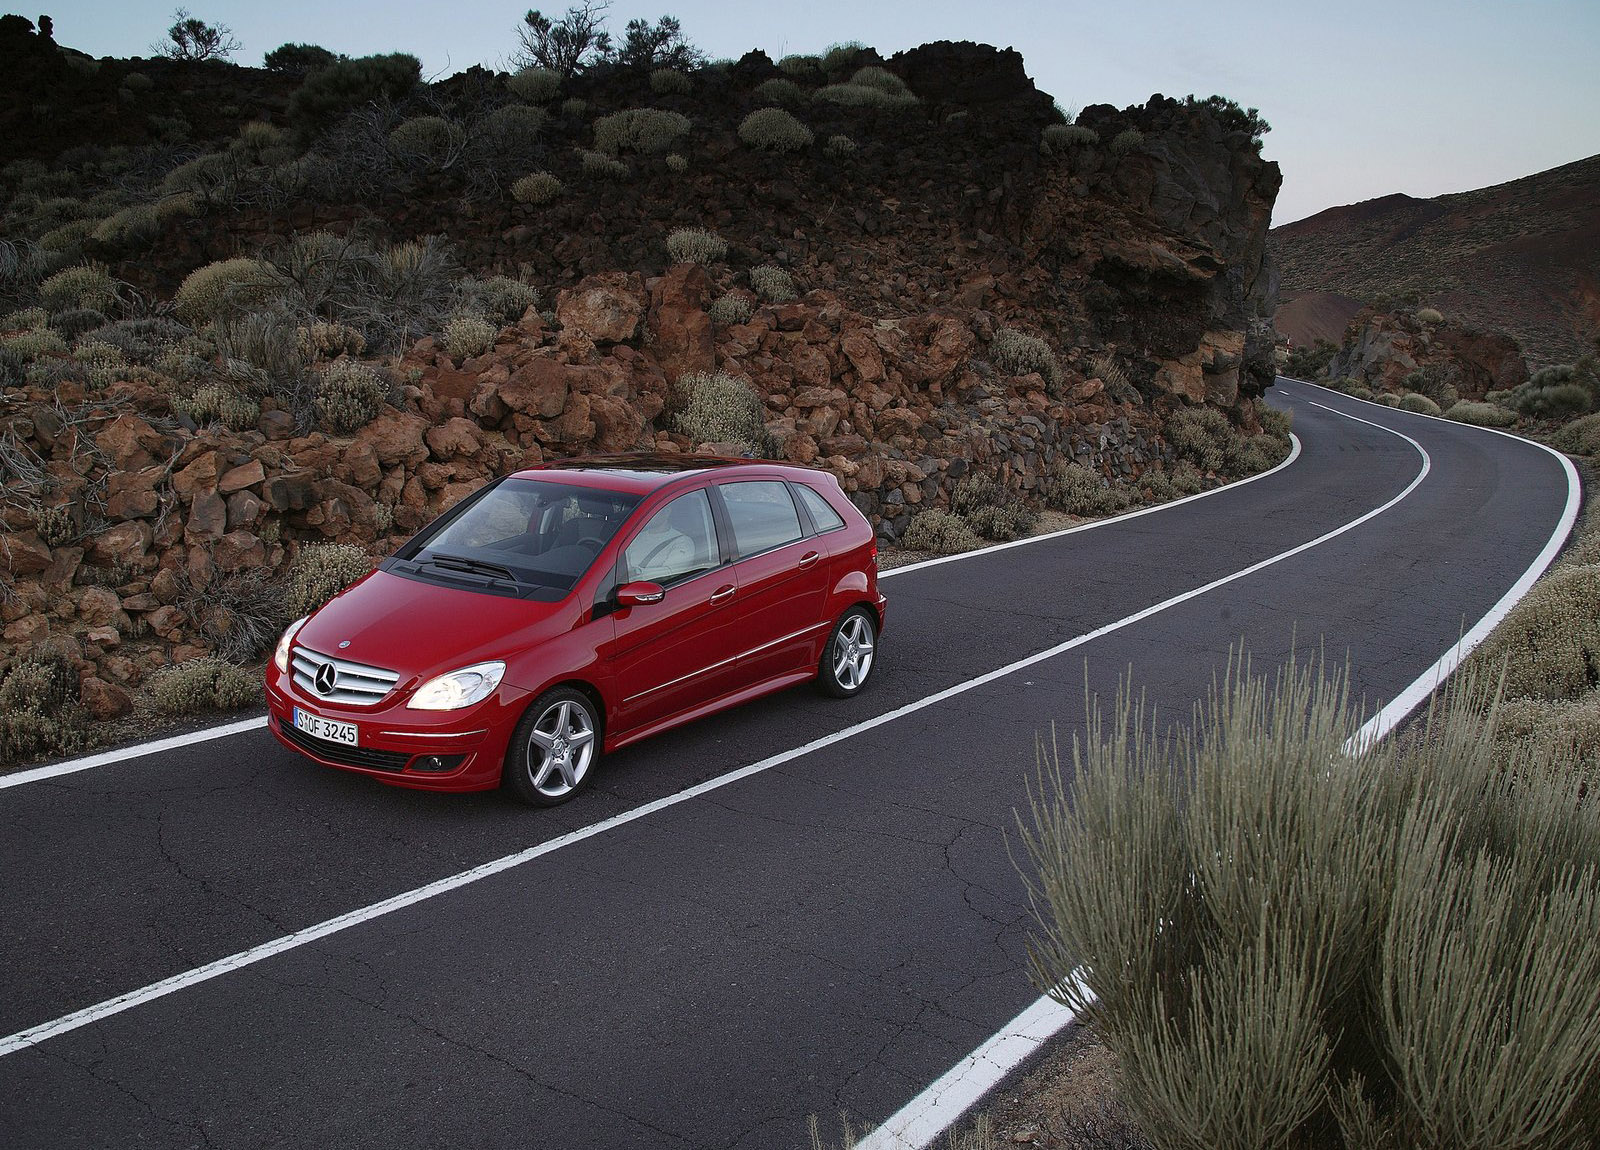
x: 1420, y: 404
x: 772, y: 283
x: 1549, y: 643
x: 1018, y: 353
x: 204, y: 684
x: 639, y: 130
x: 86, y: 285
x: 939, y: 532
x: 224, y: 289
x: 715, y: 407
x: 468, y: 334
x: 774, y: 130
x: 696, y: 245
x: 1075, y: 489
x: 350, y: 395
x: 730, y: 309
x: 536, y: 188
x: 39, y: 712
x: 319, y: 572
x: 990, y: 510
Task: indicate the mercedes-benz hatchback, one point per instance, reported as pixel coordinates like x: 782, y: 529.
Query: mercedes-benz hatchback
x: 578, y: 607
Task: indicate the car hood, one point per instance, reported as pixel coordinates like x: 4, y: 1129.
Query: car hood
x: 421, y: 628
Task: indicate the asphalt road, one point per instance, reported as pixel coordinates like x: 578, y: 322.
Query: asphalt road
x: 828, y: 934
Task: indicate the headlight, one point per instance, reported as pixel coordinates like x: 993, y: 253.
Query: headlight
x: 459, y: 688
x: 281, y: 655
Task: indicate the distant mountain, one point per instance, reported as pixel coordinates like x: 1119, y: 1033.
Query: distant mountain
x: 1521, y: 257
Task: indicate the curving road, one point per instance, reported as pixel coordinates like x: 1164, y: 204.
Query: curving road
x: 802, y: 907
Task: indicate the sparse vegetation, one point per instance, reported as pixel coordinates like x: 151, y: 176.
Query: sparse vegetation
x: 351, y: 392
x: 468, y: 334
x: 696, y: 245
x: 731, y: 308
x: 716, y: 407
x: 639, y: 130
x: 1018, y: 353
x: 772, y: 283
x: 939, y: 532
x: 319, y: 572
x: 990, y: 510
x: 1073, y: 488
x: 1420, y: 404
x: 204, y: 684
x: 774, y: 130
x: 534, y: 84
x: 536, y: 188
x: 39, y: 711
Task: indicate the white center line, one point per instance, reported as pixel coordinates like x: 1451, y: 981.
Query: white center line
x: 33, y: 1036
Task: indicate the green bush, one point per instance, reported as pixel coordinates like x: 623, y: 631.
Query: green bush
x: 575, y: 107
x: 204, y: 684
x: 431, y: 141
x: 800, y: 65
x: 1429, y: 315
x: 772, y: 283
x: 1580, y: 437
x: 696, y: 245
x: 774, y: 130
x: 639, y: 130
x: 534, y: 85
x: 854, y: 95
x: 319, y: 572
x: 297, y: 59
x: 350, y: 395
x: 1287, y: 946
x: 990, y: 510
x: 320, y: 340
x: 715, y: 407
x: 536, y: 188
x: 224, y: 289
x: 1166, y: 483
x: 670, y: 82
x: 329, y: 94
x: 939, y: 532
x: 1075, y: 489
x: 840, y: 57
x: 779, y: 91
x: 840, y: 146
x: 1482, y: 414
x: 1420, y: 404
x: 1549, y: 643
x: 602, y: 165
x: 882, y: 79
x: 86, y: 285
x: 468, y: 334
x: 1018, y: 353
x: 69, y: 237
x: 730, y: 309
x: 499, y: 299
x: 1126, y: 141
x: 39, y: 712
x: 25, y: 319
x: 1059, y: 139
x: 1202, y: 435
x: 677, y: 164
x: 514, y: 124
x: 218, y: 403
x: 31, y: 345
x: 77, y: 321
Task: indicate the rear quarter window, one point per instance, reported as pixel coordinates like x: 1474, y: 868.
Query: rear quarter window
x: 821, y: 511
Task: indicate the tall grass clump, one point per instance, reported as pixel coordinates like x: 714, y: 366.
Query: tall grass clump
x: 1287, y: 945
x: 715, y: 407
x: 774, y: 130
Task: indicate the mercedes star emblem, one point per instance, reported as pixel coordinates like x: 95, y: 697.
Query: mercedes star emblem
x: 327, y: 676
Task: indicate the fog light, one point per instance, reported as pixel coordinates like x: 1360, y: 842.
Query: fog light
x: 437, y: 763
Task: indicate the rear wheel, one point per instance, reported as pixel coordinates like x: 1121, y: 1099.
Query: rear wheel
x: 554, y: 748
x: 848, y: 658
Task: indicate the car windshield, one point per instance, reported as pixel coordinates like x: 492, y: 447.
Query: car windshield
x: 523, y: 536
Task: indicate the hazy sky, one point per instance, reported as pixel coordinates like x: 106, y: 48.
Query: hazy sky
x: 1364, y: 98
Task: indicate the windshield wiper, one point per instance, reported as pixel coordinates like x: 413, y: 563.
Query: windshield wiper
x: 472, y: 566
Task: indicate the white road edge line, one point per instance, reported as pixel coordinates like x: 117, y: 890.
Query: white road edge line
x: 928, y: 1115
x: 138, y: 750
x: 118, y: 754
x: 33, y: 1036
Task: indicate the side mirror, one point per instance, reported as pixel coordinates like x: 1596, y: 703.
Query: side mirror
x: 639, y: 594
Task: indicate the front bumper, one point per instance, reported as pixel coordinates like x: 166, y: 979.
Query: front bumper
x: 428, y: 750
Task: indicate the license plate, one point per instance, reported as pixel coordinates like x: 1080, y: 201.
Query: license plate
x: 330, y: 729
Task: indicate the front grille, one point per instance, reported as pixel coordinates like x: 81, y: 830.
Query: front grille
x: 344, y: 755
x: 351, y: 682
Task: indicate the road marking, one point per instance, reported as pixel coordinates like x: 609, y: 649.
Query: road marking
x: 23, y: 1039
x: 138, y: 750
x: 915, y: 1125
x: 119, y: 754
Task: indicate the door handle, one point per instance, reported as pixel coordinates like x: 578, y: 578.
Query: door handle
x: 723, y: 594
x: 809, y: 560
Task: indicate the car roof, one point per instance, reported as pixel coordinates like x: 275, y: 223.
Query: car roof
x: 642, y: 473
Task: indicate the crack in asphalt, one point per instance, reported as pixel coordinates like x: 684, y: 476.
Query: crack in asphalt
x: 105, y: 1079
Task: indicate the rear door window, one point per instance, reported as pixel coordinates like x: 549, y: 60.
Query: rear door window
x: 762, y: 514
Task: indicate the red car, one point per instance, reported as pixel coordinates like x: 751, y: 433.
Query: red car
x: 576, y: 607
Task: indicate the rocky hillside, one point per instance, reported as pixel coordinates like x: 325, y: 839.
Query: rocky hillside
x: 1521, y: 257
x: 255, y: 311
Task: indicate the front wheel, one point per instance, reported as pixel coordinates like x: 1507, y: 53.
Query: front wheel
x: 554, y: 748
x: 847, y: 659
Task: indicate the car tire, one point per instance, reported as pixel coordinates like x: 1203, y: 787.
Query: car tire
x: 850, y: 654
x: 555, y: 748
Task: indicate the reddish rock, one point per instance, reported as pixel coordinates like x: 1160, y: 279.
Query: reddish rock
x: 605, y: 308
x: 239, y: 551
x: 448, y: 382
x: 455, y: 438
x: 129, y: 441
x: 208, y: 517
x: 396, y: 437
x: 133, y: 494
x: 539, y: 388
x: 198, y: 477
x: 124, y: 543
x: 617, y: 423
x: 244, y: 510
x: 293, y: 491
x: 681, y: 335
x: 238, y: 478
x: 165, y: 586
x: 23, y: 554
x: 99, y: 606
x: 103, y: 700
x: 276, y: 425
